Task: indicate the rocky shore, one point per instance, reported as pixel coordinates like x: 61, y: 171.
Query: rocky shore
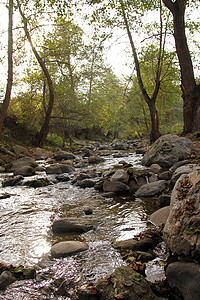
x: 171, y: 174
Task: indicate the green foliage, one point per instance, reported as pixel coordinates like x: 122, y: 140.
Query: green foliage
x: 55, y: 139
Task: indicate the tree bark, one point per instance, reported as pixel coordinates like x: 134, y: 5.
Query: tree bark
x: 6, y: 102
x: 151, y: 101
x: 41, y: 136
x: 190, y: 90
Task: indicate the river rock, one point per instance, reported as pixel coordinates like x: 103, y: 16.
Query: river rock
x: 159, y: 217
x: 164, y: 200
x: 88, y: 182
x: 38, y: 182
x: 185, y: 276
x: 6, y: 278
x: 124, y: 283
x: 59, y: 169
x: 21, y: 162
x: 133, y: 244
x: 63, y: 249
x: 116, y: 187
x: 71, y: 225
x: 167, y: 150
x: 12, y: 181
x: 25, y: 171
x: 185, y: 169
x: 181, y: 231
x: 63, y: 155
x: 2, y: 169
x: 151, y: 189
x: 95, y: 159
x: 120, y: 175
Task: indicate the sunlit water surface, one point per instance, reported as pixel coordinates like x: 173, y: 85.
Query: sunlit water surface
x: 26, y: 237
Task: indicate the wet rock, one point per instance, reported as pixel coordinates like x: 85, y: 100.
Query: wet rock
x: 63, y: 155
x: 144, y: 256
x: 155, y: 168
x: 181, y: 231
x: 6, y: 278
x: 95, y: 159
x: 185, y: 276
x: 88, y: 211
x: 2, y: 169
x: 133, y: 244
x: 25, y: 171
x: 140, y: 151
x: 120, y: 175
x: 99, y: 185
x: 136, y: 182
x: 40, y: 169
x: 63, y: 249
x: 124, y: 283
x: 87, y: 182
x: 151, y: 189
x: 21, y: 162
x: 59, y: 169
x: 159, y: 217
x: 109, y: 195
x: 164, y: 200
x: 186, y: 169
x: 165, y: 175
x: 12, y: 181
x: 62, y: 177
x: 71, y: 225
x: 39, y: 182
x: 116, y: 187
x: 179, y: 164
x: 167, y: 150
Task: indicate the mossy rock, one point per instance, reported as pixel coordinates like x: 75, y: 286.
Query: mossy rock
x: 124, y: 283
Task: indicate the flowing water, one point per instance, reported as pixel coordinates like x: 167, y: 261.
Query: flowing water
x: 26, y: 236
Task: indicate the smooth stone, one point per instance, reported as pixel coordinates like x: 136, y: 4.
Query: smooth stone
x: 185, y: 276
x: 132, y: 244
x: 151, y: 189
x: 12, y: 181
x: 159, y: 217
x: 25, y: 171
x: 116, y: 187
x: 70, y: 225
x: 64, y: 249
x: 6, y: 278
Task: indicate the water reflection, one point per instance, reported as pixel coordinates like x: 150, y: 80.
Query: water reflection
x: 26, y: 236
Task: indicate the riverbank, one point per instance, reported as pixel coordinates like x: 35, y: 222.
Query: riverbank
x: 104, y: 176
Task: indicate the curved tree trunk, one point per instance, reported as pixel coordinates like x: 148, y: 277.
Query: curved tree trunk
x: 41, y: 136
x: 190, y: 90
x: 6, y: 102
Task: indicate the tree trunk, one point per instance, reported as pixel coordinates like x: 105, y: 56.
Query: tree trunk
x: 155, y: 133
x: 41, y: 136
x: 6, y: 102
x: 151, y: 101
x: 190, y: 90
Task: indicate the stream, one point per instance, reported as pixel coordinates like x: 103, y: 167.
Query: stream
x: 26, y: 237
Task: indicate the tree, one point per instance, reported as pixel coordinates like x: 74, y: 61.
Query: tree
x: 6, y: 101
x: 41, y: 137
x: 190, y: 89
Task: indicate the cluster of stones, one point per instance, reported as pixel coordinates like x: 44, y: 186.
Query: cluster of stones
x: 169, y: 174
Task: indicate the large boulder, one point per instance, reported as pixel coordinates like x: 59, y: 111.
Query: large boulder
x: 25, y: 171
x: 116, y: 187
x: 124, y: 283
x: 133, y: 244
x: 151, y: 189
x: 63, y: 249
x: 120, y: 175
x: 181, y: 231
x: 185, y: 276
x: 21, y: 162
x: 167, y: 150
x: 59, y: 169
